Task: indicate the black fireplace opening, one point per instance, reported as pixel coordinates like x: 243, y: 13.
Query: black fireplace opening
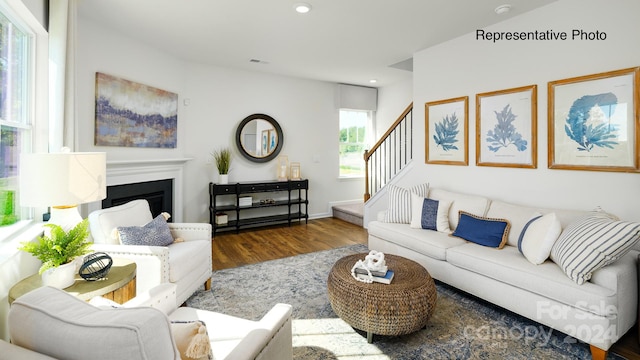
x: 158, y: 193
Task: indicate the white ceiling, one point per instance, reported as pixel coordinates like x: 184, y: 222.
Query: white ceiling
x: 344, y: 41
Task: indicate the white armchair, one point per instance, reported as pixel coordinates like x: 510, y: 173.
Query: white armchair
x: 49, y: 323
x: 186, y: 264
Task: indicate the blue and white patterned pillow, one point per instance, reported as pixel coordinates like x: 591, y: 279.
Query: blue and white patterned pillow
x: 592, y: 242
x: 430, y: 214
x: 155, y: 233
x: 399, y: 209
x: 538, y: 236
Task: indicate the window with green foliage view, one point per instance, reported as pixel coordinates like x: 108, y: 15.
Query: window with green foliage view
x: 353, y: 125
x: 15, y: 128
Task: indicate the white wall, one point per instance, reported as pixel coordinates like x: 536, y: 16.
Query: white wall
x: 392, y: 101
x: 219, y: 99
x: 466, y: 66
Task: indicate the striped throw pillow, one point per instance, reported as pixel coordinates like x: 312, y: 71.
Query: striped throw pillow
x: 592, y: 242
x: 399, y: 209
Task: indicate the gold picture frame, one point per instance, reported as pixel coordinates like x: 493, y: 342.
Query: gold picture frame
x: 446, y: 135
x: 593, y: 122
x: 506, y: 128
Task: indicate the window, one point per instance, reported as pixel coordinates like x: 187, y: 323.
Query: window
x: 353, y: 141
x: 17, y: 96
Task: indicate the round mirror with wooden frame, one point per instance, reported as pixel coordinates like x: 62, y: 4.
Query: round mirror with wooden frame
x: 259, y: 138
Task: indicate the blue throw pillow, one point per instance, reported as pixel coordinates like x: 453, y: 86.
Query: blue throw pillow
x: 482, y: 231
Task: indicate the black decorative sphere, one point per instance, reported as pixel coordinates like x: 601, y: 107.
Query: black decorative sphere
x: 95, y: 266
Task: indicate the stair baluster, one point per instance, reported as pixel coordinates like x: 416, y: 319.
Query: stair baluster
x: 390, y: 154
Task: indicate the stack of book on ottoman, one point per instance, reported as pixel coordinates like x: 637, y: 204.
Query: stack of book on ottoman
x: 383, y: 276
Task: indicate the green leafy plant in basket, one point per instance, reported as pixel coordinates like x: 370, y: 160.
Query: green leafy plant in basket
x: 60, y: 247
x: 222, y: 158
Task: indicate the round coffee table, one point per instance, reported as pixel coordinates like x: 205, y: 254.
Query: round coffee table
x: 402, y: 307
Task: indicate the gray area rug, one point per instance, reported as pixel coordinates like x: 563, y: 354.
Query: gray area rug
x: 462, y: 327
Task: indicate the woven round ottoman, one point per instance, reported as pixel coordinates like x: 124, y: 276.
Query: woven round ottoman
x: 399, y: 308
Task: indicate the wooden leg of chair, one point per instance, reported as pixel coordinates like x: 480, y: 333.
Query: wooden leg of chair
x: 597, y: 353
x: 207, y: 284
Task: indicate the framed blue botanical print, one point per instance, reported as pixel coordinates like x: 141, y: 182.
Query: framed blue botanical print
x: 506, y: 127
x: 593, y: 122
x: 447, y: 131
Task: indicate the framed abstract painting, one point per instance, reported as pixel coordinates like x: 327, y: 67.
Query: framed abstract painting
x: 593, y: 122
x: 130, y: 114
x: 447, y: 131
x: 506, y: 127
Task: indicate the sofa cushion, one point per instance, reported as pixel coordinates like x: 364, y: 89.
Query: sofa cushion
x: 473, y: 204
x: 547, y: 279
x: 187, y: 256
x: 594, y: 241
x: 517, y: 215
x: 399, y: 208
x: 430, y: 214
x: 102, y: 222
x: 482, y: 231
x: 427, y: 242
x: 538, y: 236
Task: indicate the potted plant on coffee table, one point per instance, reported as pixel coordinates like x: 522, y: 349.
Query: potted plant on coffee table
x: 57, y: 251
x: 222, y: 159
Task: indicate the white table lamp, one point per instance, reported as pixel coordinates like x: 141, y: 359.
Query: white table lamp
x: 63, y: 181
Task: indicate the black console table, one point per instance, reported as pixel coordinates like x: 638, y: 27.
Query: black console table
x: 272, y: 202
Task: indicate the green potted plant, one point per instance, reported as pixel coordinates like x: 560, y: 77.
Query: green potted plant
x: 222, y: 159
x: 58, y: 250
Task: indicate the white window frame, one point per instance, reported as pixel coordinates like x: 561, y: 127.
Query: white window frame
x: 369, y: 130
x: 37, y: 93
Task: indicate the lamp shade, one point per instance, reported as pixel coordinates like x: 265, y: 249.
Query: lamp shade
x: 62, y: 179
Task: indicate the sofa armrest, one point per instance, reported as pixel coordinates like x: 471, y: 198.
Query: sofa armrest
x: 622, y: 278
x: 272, y: 339
x: 275, y: 317
x: 250, y: 346
x: 162, y: 297
x: 10, y: 351
x: 190, y: 231
x: 152, y: 262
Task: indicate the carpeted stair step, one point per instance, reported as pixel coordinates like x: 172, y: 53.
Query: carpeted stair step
x: 352, y: 213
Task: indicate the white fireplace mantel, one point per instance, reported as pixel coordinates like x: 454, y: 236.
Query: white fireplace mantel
x: 123, y: 172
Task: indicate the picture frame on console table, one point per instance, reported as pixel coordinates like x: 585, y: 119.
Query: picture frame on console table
x: 506, y: 128
x: 593, y: 122
x: 447, y: 131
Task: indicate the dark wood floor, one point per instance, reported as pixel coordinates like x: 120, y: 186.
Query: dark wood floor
x: 257, y: 245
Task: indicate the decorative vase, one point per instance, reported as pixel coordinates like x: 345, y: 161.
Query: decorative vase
x: 223, y: 178
x: 283, y: 168
x: 62, y: 276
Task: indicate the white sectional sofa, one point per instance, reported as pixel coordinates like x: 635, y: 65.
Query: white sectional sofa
x: 597, y: 312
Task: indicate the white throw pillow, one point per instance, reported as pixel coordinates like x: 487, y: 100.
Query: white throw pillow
x: 538, y: 236
x: 399, y: 209
x: 592, y: 242
x: 429, y: 214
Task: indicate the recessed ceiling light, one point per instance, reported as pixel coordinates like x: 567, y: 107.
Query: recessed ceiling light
x: 373, y: 81
x: 302, y: 8
x: 502, y: 9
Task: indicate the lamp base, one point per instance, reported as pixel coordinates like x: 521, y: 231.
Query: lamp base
x: 67, y: 217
